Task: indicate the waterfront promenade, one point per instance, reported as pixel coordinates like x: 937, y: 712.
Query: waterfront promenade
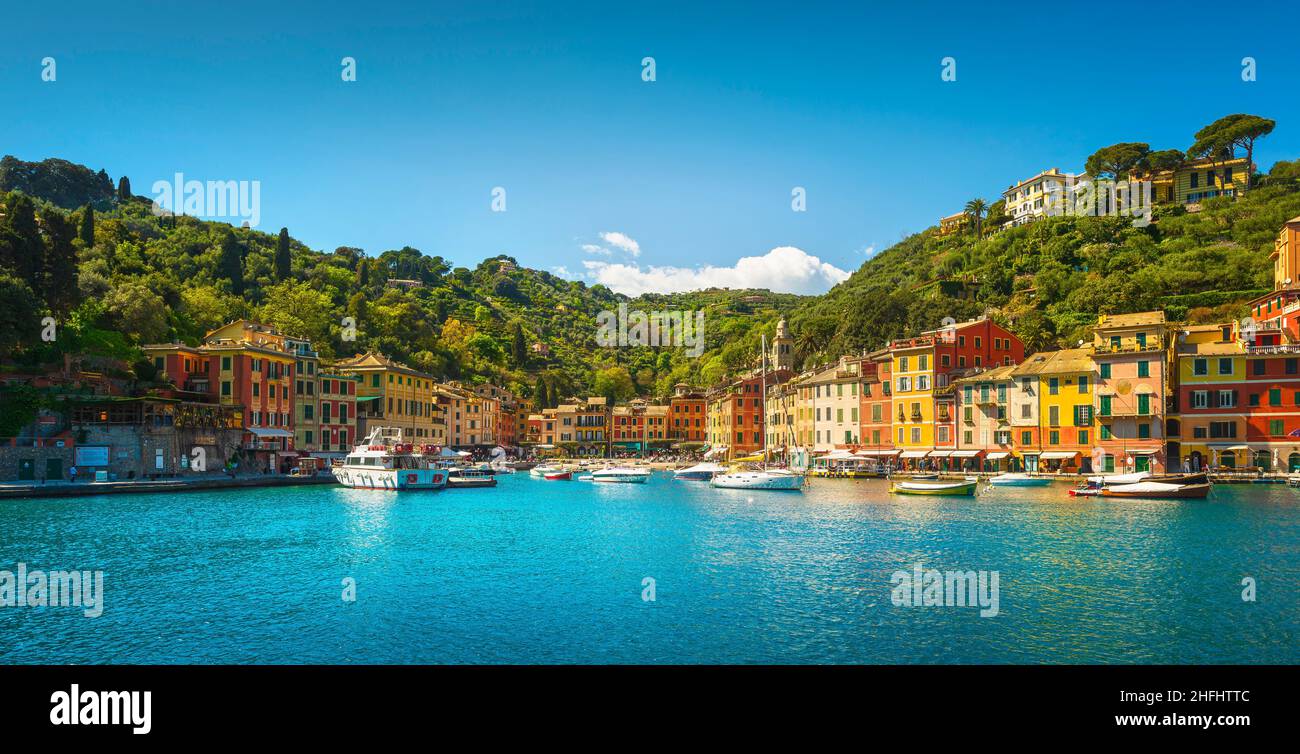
x: 185, y: 484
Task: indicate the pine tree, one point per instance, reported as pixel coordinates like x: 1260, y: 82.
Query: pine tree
x: 231, y: 264
x: 88, y: 226
x: 123, y: 189
x: 282, y: 258
x: 60, y: 262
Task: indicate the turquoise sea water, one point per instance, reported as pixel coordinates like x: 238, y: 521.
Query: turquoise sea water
x: 553, y: 572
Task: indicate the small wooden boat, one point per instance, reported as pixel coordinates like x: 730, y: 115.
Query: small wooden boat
x: 1200, y: 478
x: 933, y: 488
x: 558, y: 476
x: 1085, y: 492
x: 1157, y: 490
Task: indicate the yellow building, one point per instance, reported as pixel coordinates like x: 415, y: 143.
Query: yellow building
x: 953, y: 223
x: 1199, y: 180
x: 1286, y: 255
x: 913, y: 371
x: 394, y: 395
x: 1064, y: 387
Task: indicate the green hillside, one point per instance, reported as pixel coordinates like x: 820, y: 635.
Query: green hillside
x: 1048, y: 280
x: 118, y: 277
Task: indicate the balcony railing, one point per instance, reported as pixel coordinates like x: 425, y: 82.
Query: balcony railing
x: 1265, y: 350
x: 1107, y: 348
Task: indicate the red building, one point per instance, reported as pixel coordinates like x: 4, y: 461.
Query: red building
x: 338, y: 411
x: 874, y: 415
x: 243, y: 364
x: 687, y: 418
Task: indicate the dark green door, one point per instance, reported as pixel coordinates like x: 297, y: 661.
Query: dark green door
x: 53, y: 468
x: 26, y: 469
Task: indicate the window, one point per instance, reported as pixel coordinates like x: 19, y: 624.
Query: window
x: 1054, y: 437
x: 1105, y: 405
x: 1103, y: 432
x: 1201, y: 398
x: 1276, y: 427
x: 1105, y: 371
x: 1144, y: 404
x: 1144, y: 431
x: 1053, y: 385
x: 1054, y: 416
x: 1257, y: 367
x: 1083, y: 384
x: 1274, y: 397
x: 1144, y: 369
x: 1225, y: 366
x: 1083, y: 437
x: 1026, y: 437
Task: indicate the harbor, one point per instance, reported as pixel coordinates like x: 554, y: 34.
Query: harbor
x: 665, y: 571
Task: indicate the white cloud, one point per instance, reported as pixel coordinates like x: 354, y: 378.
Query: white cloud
x: 592, y: 248
x: 785, y: 269
x: 622, y: 241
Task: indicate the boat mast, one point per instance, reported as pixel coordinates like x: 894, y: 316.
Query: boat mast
x: 763, y: 401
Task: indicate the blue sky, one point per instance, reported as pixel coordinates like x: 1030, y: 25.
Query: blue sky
x: 546, y: 100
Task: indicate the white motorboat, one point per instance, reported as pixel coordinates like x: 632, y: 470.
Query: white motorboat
x: 1019, y: 480
x: 547, y: 468
x: 1109, y: 479
x: 700, y: 472
x: 621, y: 474
x: 385, y: 462
x: 762, y: 479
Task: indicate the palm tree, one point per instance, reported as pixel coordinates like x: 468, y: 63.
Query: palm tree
x: 976, y: 209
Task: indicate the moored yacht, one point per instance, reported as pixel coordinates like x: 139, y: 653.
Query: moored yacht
x: 700, y: 472
x: 623, y: 474
x: 385, y: 462
x: 764, y: 478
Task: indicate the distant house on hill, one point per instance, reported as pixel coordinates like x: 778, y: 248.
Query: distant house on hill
x: 405, y: 285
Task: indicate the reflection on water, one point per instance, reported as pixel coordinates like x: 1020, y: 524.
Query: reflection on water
x: 536, y: 571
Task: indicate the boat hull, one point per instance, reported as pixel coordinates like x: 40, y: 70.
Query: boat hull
x: 391, y: 479
x: 962, y: 489
x: 558, y: 476
x: 1189, y: 491
x: 1027, y: 481
x: 758, y: 481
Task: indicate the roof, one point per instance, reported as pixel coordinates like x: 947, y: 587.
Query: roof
x: 372, y: 360
x: 1065, y: 361
x: 1209, y: 349
x: 1003, y: 372
x: 1136, y: 319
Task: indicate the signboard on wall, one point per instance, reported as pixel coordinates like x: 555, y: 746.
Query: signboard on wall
x: 92, y: 455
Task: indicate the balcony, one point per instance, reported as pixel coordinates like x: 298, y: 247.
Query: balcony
x: 1284, y: 348
x: 1123, y: 348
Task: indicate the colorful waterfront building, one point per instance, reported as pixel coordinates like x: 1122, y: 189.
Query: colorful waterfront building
x: 832, y: 394
x: 922, y: 368
x: 1132, y: 355
x: 984, y: 430
x: 583, y: 425
x: 627, y: 430
x: 391, y: 394
x: 875, y: 410
x: 336, y: 399
x: 779, y: 423
x: 244, y: 364
x: 686, y: 411
x: 1063, y: 383
x: 1207, y: 428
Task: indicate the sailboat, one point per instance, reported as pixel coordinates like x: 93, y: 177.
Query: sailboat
x: 766, y: 479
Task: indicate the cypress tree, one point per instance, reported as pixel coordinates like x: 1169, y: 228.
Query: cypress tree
x: 539, y: 394
x: 282, y: 258
x: 231, y: 264
x: 60, y: 265
x: 518, y: 345
x: 88, y: 226
x: 123, y: 189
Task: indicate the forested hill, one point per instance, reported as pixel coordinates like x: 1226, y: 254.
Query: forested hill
x: 1048, y: 280
x: 117, y: 276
